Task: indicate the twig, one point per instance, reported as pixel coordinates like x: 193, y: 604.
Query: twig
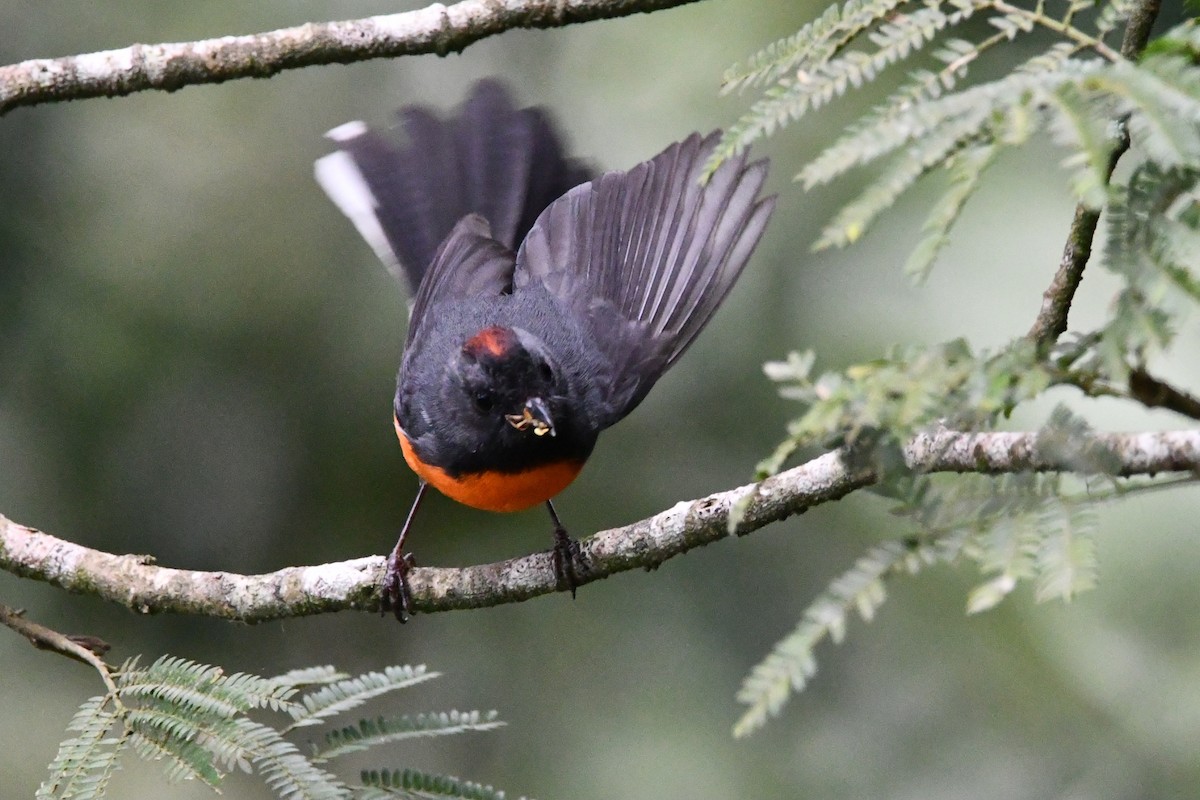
x: 298, y: 591
x: 1051, y: 320
x: 1153, y: 393
x: 437, y: 29
x: 86, y: 649
x: 1062, y: 28
x: 1137, y: 30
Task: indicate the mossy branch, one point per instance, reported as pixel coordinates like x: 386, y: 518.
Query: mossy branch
x: 135, y: 582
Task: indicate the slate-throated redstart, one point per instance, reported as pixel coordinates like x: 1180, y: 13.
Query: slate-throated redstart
x: 547, y: 301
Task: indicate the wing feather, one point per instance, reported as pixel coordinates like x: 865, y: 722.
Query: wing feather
x: 646, y: 256
x: 490, y: 158
x: 470, y: 263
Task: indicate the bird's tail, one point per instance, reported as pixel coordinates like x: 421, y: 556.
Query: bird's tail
x: 489, y: 158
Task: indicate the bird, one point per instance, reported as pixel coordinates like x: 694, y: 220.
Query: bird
x: 547, y: 298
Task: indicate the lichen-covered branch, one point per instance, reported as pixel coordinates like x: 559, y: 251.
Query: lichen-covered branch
x: 438, y: 28
x: 135, y: 582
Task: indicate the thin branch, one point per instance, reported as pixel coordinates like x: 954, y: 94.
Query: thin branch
x: 1137, y: 30
x: 86, y: 649
x: 438, y: 28
x: 1154, y: 393
x: 1063, y: 28
x: 1051, y: 320
x: 133, y: 581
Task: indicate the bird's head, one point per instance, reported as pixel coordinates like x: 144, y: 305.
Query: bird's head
x: 506, y: 383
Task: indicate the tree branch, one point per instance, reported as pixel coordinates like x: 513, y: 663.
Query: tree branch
x: 135, y: 582
x: 437, y: 29
x: 1154, y: 393
x: 1051, y: 320
x: 85, y: 649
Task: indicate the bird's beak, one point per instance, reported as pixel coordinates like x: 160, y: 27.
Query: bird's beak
x: 534, y: 416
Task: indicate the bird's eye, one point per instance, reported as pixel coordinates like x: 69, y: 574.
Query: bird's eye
x: 545, y: 372
x: 483, y: 400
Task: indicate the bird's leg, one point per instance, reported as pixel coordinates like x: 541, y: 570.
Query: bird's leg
x: 569, y: 563
x: 394, y: 594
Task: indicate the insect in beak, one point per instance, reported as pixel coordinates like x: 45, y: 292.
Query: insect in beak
x: 534, y: 416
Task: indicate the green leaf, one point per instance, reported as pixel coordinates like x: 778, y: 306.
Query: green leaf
x: 812, y: 42
x: 1163, y: 105
x: 411, y: 783
x: 1068, y: 438
x: 887, y: 401
x: 309, y: 676
x: 966, y: 169
x: 1152, y: 242
x: 812, y: 68
x: 202, y: 687
x: 1067, y: 556
x: 1090, y: 139
x: 84, y: 763
x: 988, y: 595
x: 372, y: 733
x: 292, y: 776
x: 192, y: 718
x: 343, y: 695
x: 849, y: 224
x: 1112, y: 14
x: 184, y: 760
x: 791, y: 662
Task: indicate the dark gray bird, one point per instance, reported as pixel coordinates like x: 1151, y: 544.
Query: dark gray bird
x: 547, y: 302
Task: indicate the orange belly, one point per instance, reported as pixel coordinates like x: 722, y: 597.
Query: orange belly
x: 494, y: 491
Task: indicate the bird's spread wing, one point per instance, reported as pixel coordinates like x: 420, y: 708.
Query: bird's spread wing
x: 646, y: 256
x: 492, y: 159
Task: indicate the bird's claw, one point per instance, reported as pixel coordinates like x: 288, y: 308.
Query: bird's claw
x: 570, y: 567
x: 395, y: 595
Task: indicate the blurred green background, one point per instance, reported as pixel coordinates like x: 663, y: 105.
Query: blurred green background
x: 197, y: 358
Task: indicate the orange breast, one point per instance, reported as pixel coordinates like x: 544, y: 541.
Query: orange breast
x: 494, y: 491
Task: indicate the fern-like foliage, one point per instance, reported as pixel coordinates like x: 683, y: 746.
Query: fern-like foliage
x: 1076, y: 91
x: 792, y: 662
x: 370, y: 733
x: 1153, y: 243
x: 85, y: 762
x: 808, y: 70
x: 340, y: 696
x: 411, y: 784
x: 1012, y: 529
x: 197, y: 721
x: 1098, y: 106
x: 883, y: 403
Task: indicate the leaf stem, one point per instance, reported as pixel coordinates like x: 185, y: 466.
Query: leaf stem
x: 1062, y: 28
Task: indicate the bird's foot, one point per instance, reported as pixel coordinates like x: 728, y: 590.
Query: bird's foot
x: 394, y: 594
x: 570, y: 567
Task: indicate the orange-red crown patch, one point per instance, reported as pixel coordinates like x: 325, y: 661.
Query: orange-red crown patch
x: 495, y: 341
